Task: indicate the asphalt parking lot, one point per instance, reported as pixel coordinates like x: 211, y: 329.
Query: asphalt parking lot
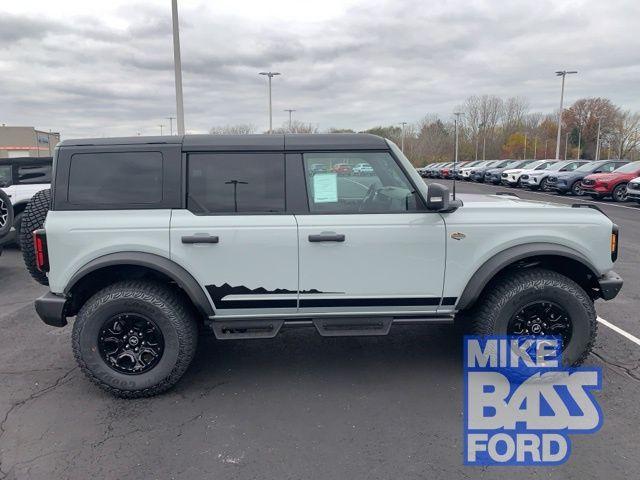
x: 297, y: 406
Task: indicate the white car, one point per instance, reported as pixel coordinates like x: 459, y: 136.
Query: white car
x: 363, y: 169
x: 21, y: 179
x: 633, y: 190
x: 512, y: 177
x: 538, y: 178
x: 465, y: 172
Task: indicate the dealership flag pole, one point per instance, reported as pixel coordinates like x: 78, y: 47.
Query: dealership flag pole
x: 178, y: 67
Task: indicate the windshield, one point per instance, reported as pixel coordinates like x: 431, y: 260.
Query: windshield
x: 587, y: 167
x: 629, y: 168
x: 556, y: 166
x: 536, y: 164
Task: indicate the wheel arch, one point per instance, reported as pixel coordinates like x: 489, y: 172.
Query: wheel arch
x: 559, y: 258
x: 112, y: 267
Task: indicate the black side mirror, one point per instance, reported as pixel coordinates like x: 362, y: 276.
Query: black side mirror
x: 437, y: 197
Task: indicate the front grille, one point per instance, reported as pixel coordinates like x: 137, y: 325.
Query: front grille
x: 588, y: 182
x: 525, y: 177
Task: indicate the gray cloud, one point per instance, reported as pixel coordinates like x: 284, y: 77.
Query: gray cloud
x: 381, y: 62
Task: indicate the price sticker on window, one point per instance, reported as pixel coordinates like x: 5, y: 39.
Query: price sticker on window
x: 325, y: 187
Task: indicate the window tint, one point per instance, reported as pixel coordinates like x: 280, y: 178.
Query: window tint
x: 236, y: 182
x: 629, y: 168
x: 608, y: 167
x: 34, y: 174
x: 337, y: 189
x: 5, y: 175
x: 116, y: 178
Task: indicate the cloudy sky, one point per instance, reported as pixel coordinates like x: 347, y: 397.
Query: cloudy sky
x: 89, y: 68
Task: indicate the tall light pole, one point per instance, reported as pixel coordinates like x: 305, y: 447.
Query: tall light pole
x: 402, y: 136
x: 290, y: 110
x: 171, y: 119
x: 566, y: 144
x: 535, y: 148
x: 161, y: 127
x: 177, y: 64
x: 563, y: 74
x: 270, y: 75
x: 524, y: 153
x: 455, y: 160
x: 598, y: 143
x: 579, y: 138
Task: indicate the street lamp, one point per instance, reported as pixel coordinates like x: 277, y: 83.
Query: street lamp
x: 270, y: 75
x: 402, y: 137
x: 455, y: 160
x: 171, y: 119
x: 290, y: 110
x: 563, y: 74
x: 598, y: 143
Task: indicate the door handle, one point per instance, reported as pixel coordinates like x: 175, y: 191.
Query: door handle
x: 327, y: 237
x: 191, y: 239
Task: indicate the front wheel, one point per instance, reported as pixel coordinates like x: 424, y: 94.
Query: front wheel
x: 544, y: 185
x: 576, y: 189
x: 134, y: 338
x: 538, y: 302
x: 619, y: 193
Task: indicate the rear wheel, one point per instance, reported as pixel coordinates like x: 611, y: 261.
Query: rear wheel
x: 135, y: 339
x: 6, y: 214
x: 619, y: 193
x: 33, y: 218
x: 539, y: 302
x: 576, y: 188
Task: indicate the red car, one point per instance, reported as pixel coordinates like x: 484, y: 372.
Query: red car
x: 600, y: 185
x: 342, y: 169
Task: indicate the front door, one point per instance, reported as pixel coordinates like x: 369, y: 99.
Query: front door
x: 367, y: 245
x: 235, y: 237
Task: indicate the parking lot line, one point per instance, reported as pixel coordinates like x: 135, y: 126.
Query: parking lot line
x: 627, y: 335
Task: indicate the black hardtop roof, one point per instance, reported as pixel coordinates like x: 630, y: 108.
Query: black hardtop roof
x: 262, y: 142
x: 26, y: 160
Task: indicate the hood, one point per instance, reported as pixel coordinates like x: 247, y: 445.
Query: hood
x: 478, y: 200
x: 513, y: 170
x: 603, y: 177
x: 565, y: 175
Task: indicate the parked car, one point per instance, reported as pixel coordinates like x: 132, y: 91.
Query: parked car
x: 614, y: 184
x: 318, y: 168
x: 424, y: 171
x: 342, y: 169
x: 146, y: 243
x: 633, y: 190
x: 476, y: 174
x: 465, y: 172
x: 571, y: 182
x: 437, y: 172
x: 363, y: 169
x: 494, y: 175
x: 512, y: 177
x: 21, y: 178
x: 457, y: 174
x: 538, y: 179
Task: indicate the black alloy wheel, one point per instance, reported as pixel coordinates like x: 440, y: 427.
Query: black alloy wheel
x: 542, y: 318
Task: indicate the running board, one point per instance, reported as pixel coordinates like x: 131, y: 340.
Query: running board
x: 350, y: 326
x: 243, y: 329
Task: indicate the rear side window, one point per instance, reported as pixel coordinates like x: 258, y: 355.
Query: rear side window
x: 30, y: 174
x: 116, y: 179
x: 229, y: 183
x: 5, y: 175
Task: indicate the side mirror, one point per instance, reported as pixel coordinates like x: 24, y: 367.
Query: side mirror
x: 438, y: 199
x: 597, y: 171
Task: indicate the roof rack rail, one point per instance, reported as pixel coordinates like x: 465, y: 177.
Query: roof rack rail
x: 508, y: 194
x: 589, y: 205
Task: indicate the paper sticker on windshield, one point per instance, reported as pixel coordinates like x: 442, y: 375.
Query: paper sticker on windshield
x: 325, y: 187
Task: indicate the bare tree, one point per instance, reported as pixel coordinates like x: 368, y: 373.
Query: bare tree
x: 626, y: 134
x: 297, y: 127
x: 240, y: 129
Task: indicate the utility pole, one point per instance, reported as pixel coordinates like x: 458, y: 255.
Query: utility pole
x: 598, y: 143
x: 177, y: 64
x: 563, y: 74
x: 290, y: 110
x: 270, y: 75
x: 171, y: 119
x: 455, y: 160
x: 402, y: 137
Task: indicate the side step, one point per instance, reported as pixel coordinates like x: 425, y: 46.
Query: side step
x: 237, y: 329
x: 345, y: 327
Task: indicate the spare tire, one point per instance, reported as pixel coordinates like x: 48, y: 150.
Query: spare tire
x: 6, y: 214
x: 33, y: 218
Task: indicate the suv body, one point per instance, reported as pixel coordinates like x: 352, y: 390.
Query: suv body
x: 235, y: 234
x: 512, y: 177
x: 465, y: 172
x: 21, y: 178
x: 494, y: 175
x: 565, y: 182
x: 633, y: 190
x: 363, y: 169
x: 538, y: 178
x: 614, y: 184
x: 477, y: 173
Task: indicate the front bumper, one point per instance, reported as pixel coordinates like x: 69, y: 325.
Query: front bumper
x: 610, y: 285
x: 50, y: 308
x: 599, y: 189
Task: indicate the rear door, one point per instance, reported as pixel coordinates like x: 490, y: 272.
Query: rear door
x: 366, y: 245
x: 235, y: 236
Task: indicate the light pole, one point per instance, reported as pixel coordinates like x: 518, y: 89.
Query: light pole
x: 455, y: 159
x: 563, y: 74
x: 177, y: 64
x: 579, y: 135
x: 535, y: 148
x: 171, y: 119
x: 402, y: 136
x: 290, y: 110
x: 598, y: 143
x: 161, y: 127
x: 545, y: 147
x: 566, y: 144
x: 270, y: 75
x: 524, y: 153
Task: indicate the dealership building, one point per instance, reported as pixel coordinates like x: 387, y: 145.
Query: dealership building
x: 26, y: 142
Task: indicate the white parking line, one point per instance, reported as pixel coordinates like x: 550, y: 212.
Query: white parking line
x: 627, y: 335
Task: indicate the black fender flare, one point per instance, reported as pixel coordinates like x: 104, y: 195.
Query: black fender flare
x: 495, y: 264
x: 158, y: 263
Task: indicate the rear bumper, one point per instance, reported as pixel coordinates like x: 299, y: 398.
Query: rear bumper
x: 50, y: 308
x: 610, y: 285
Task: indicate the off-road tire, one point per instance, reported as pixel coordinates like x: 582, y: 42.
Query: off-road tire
x: 6, y: 214
x: 169, y: 312
x: 33, y: 218
x: 619, y: 193
x: 504, y: 297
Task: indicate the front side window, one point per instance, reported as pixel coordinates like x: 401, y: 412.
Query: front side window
x: 220, y: 183
x: 5, y: 176
x: 30, y: 174
x: 337, y: 189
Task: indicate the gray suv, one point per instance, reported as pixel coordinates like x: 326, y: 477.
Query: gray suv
x: 147, y: 241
